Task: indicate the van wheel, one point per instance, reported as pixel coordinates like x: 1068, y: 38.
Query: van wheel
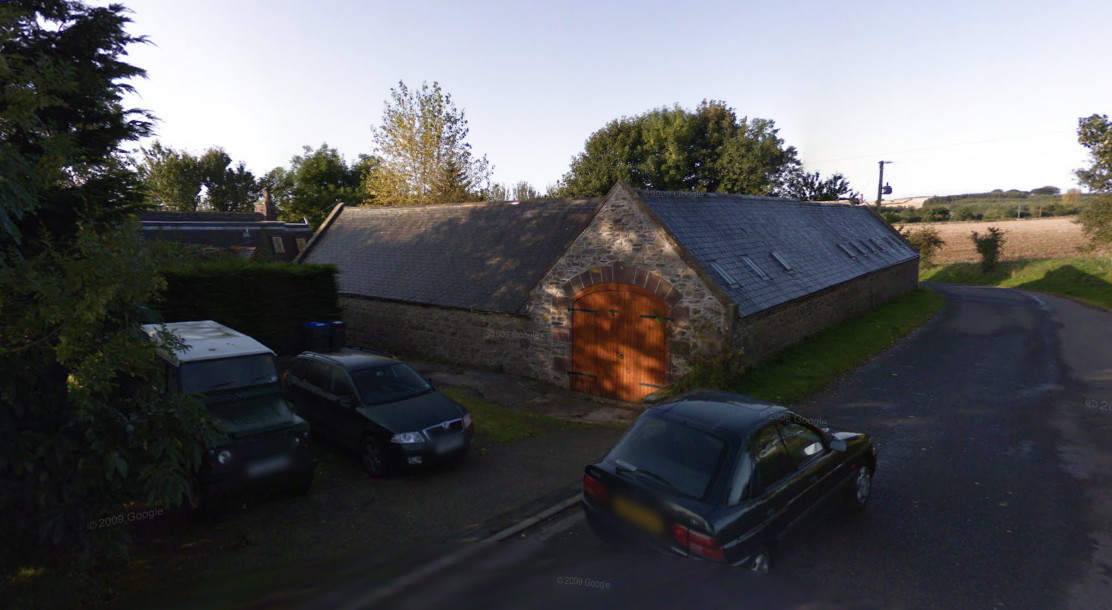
x: 199, y: 505
x: 373, y: 456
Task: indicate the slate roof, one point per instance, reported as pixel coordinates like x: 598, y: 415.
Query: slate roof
x: 747, y: 243
x: 231, y: 231
x: 200, y: 217
x: 481, y: 256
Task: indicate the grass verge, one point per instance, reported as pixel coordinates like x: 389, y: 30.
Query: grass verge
x: 1085, y: 279
x: 813, y: 364
x: 495, y: 424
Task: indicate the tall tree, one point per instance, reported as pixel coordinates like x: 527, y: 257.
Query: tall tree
x: 423, y: 153
x: 813, y: 187
x: 229, y: 186
x: 172, y: 178
x: 520, y: 191
x: 178, y: 180
x: 83, y: 425
x: 1094, y: 132
x: 316, y: 181
x: 708, y: 149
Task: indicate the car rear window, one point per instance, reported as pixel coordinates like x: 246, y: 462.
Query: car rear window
x: 684, y: 458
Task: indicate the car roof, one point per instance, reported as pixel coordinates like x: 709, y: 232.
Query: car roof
x: 352, y: 359
x: 735, y: 413
x: 206, y: 340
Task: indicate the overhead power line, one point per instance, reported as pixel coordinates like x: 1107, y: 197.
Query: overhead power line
x: 941, y: 146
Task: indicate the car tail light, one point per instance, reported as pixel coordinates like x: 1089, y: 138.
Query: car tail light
x: 697, y: 542
x: 593, y: 488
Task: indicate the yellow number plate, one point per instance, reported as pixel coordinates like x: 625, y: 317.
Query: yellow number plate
x: 637, y: 514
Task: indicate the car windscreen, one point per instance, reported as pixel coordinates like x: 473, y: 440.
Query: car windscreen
x: 208, y: 376
x: 670, y: 454
x: 389, y: 383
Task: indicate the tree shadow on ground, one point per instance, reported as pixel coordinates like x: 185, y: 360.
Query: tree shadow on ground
x: 1070, y: 281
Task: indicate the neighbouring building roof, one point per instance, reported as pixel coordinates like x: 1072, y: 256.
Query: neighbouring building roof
x: 200, y: 217
x: 766, y: 251
x: 481, y: 256
x: 244, y: 233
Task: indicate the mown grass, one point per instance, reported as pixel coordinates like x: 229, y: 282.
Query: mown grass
x: 495, y: 424
x: 813, y: 364
x: 1088, y: 280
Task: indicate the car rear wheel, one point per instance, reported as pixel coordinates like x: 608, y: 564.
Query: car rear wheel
x: 373, y: 456
x: 762, y: 561
x: 861, y: 488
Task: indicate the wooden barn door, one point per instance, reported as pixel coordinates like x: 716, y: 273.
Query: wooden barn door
x: 619, y: 342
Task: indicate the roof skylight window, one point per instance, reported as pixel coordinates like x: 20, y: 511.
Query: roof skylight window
x: 780, y: 259
x: 760, y: 272
x: 726, y: 277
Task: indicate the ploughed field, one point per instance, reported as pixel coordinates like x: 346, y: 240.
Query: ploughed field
x: 1025, y: 238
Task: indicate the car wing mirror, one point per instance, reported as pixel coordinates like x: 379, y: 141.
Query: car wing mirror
x: 838, y: 445
x: 346, y: 402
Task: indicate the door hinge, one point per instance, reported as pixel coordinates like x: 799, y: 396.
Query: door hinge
x: 582, y: 374
x: 583, y: 310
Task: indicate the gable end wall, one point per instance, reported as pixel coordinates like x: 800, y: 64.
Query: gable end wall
x: 622, y: 244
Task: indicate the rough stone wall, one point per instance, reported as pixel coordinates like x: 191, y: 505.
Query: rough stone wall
x: 622, y: 244
x: 495, y: 341
x: 767, y: 332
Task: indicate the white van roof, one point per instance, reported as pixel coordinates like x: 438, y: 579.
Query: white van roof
x: 207, y: 340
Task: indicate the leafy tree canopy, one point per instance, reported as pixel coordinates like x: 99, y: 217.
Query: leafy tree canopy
x: 423, y: 152
x: 84, y: 428
x: 1094, y: 132
x: 709, y: 149
x: 519, y: 191
x: 316, y: 181
x: 177, y: 180
x: 812, y: 187
x: 1096, y: 219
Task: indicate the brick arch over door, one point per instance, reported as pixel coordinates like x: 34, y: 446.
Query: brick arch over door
x: 622, y: 274
x: 619, y: 341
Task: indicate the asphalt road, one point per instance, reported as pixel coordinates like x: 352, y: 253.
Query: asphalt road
x: 993, y: 488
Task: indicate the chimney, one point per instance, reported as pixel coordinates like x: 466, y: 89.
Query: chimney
x: 265, y: 206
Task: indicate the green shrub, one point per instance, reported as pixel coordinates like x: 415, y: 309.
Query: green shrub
x: 269, y: 301
x: 938, y: 214
x: 966, y: 213
x: 927, y: 241
x: 989, y: 246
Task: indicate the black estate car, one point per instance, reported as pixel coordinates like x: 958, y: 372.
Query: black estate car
x: 723, y: 477
x: 378, y: 405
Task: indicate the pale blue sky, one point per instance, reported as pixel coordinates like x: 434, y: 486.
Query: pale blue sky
x: 962, y: 95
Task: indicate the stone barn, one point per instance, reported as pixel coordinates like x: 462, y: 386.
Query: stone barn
x: 609, y: 296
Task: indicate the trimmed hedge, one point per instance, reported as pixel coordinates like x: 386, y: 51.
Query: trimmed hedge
x: 268, y: 301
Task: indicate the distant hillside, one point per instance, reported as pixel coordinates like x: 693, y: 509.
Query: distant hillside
x: 990, y: 206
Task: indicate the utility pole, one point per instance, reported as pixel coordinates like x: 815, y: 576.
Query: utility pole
x: 881, y: 188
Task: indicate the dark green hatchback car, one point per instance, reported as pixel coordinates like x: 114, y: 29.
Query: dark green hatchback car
x: 723, y: 477
x: 378, y: 405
